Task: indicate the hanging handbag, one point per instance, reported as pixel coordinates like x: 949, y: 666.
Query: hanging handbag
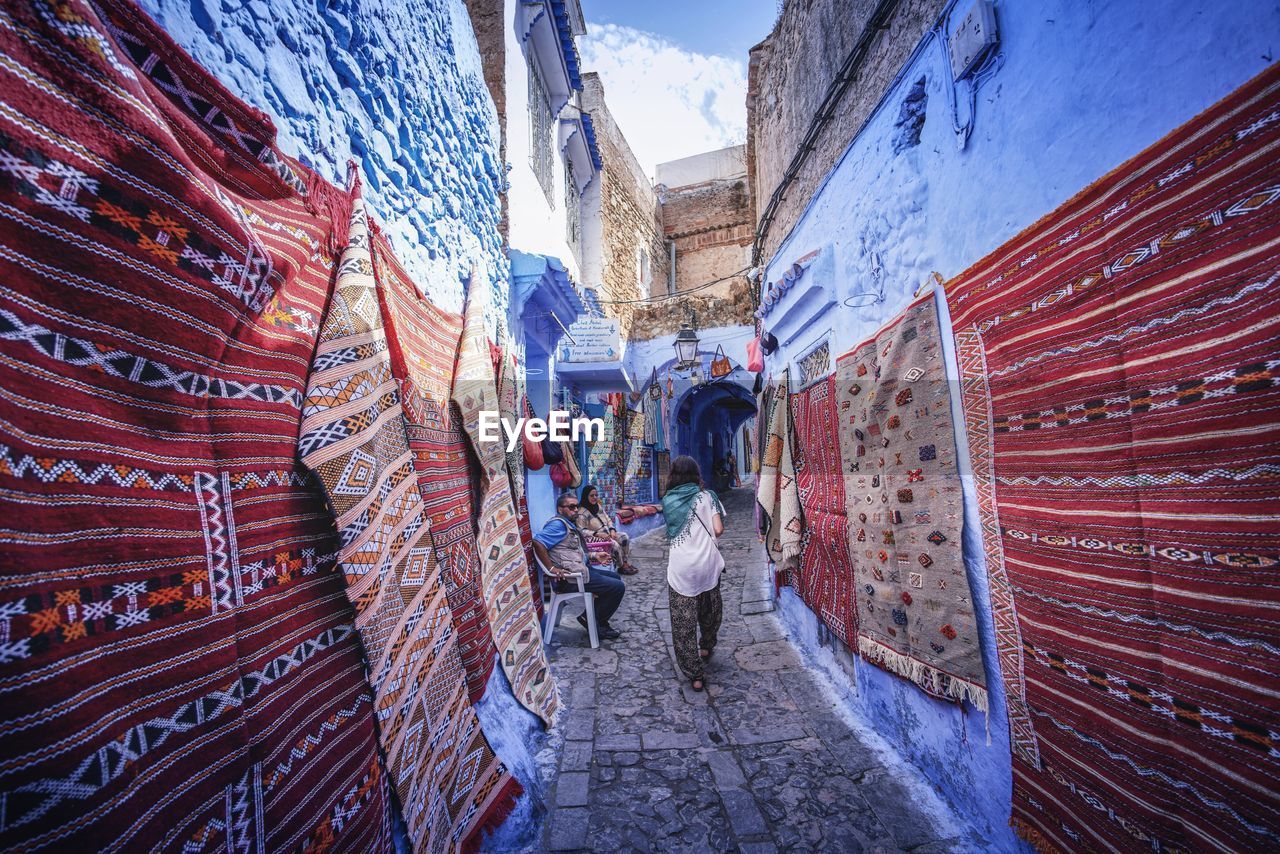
x: 561, y: 476
x: 755, y: 358
x: 768, y: 343
x: 551, y: 453
x: 720, y: 365
x: 532, y: 454
x: 571, y: 463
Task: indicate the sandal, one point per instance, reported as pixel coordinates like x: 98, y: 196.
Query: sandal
x: 628, y: 570
x: 697, y: 685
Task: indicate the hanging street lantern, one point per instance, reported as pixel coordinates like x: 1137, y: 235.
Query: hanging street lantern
x: 686, y: 346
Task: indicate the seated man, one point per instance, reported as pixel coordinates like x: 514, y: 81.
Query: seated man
x: 561, y: 548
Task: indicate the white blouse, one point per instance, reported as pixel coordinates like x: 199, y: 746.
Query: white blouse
x: 695, y: 562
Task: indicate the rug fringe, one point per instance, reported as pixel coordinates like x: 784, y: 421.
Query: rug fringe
x: 499, y: 809
x: 926, y: 676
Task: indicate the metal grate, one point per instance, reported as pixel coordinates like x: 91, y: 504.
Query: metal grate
x: 541, y: 157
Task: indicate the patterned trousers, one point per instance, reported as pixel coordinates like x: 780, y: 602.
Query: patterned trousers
x: 688, y: 615
x: 622, y: 548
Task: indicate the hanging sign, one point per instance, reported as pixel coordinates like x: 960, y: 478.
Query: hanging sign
x: 596, y: 339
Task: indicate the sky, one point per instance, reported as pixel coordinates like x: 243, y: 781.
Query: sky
x: 675, y: 71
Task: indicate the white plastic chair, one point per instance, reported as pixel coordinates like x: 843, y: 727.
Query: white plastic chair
x: 558, y: 600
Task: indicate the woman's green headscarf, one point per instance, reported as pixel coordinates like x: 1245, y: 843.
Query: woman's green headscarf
x: 677, y: 507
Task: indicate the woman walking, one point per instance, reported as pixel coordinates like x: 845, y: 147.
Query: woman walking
x: 695, y: 519
x: 595, y: 522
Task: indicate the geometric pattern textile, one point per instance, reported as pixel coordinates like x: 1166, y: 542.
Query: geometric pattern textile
x: 1121, y: 389
x: 512, y: 401
x: 504, y: 572
x: 825, y: 579
x: 782, y: 522
x: 423, y: 344
x: 904, y: 504
x: 450, y: 784
x: 178, y: 668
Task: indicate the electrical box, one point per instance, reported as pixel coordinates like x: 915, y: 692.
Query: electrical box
x: 972, y: 38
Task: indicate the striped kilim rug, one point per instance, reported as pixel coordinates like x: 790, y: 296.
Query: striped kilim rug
x: 905, y: 508
x: 504, y: 573
x: 423, y: 345
x: 782, y: 523
x: 178, y: 668
x: 1119, y: 367
x: 825, y: 577
x: 449, y: 782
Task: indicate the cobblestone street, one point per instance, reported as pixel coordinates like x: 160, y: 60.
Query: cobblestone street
x: 759, y: 762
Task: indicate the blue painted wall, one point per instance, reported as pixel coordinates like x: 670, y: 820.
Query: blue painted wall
x: 396, y: 85
x: 1081, y: 86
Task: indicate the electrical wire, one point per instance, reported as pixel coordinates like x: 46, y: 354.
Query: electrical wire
x: 822, y: 116
x: 678, y: 294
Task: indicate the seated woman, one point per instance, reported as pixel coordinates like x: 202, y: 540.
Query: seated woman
x: 595, y: 522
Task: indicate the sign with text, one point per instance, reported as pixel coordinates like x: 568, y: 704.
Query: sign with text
x: 596, y: 339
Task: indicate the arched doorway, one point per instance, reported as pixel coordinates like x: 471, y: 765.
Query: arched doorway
x: 707, y: 418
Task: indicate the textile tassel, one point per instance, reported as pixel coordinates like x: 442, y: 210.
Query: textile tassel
x: 930, y: 678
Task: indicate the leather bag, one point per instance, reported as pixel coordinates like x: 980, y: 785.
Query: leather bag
x: 720, y: 365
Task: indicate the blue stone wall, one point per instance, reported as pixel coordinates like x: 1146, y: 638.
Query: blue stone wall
x: 395, y: 85
x: 1082, y: 85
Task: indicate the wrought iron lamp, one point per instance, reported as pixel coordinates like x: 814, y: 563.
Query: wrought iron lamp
x: 686, y: 345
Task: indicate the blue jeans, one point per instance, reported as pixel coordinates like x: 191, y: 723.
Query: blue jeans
x: 608, y: 589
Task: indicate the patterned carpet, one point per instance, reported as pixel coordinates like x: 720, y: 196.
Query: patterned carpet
x: 178, y: 666
x: 897, y: 439
x: 825, y: 578
x: 423, y: 343
x: 449, y: 782
x: 1120, y: 384
x: 504, y: 573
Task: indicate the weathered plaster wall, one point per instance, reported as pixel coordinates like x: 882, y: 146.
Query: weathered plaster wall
x: 1083, y: 86
x: 397, y: 85
x: 629, y: 217
x: 788, y: 76
x: 712, y: 227
x: 394, y: 84
x: 487, y: 23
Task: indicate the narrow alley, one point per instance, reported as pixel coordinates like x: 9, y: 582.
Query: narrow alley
x: 761, y: 760
x: 340, y: 339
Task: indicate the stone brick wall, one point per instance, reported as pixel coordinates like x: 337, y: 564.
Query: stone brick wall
x: 712, y: 229
x: 629, y: 213
x: 787, y: 78
x: 487, y: 18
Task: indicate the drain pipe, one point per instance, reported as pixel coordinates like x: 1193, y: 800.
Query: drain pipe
x: 671, y: 266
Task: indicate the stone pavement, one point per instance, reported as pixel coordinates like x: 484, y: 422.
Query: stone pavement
x: 759, y: 762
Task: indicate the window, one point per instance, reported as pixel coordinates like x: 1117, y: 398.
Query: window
x: 572, y: 211
x: 540, y: 127
x: 644, y: 276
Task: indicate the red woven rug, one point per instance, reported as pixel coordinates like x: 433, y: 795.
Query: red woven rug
x: 825, y: 581
x: 504, y: 573
x: 178, y: 666
x: 423, y: 343
x: 1120, y: 385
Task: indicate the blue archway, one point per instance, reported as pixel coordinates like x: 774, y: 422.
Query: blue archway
x: 706, y: 418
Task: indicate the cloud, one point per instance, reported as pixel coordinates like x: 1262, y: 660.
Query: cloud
x: 670, y: 102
